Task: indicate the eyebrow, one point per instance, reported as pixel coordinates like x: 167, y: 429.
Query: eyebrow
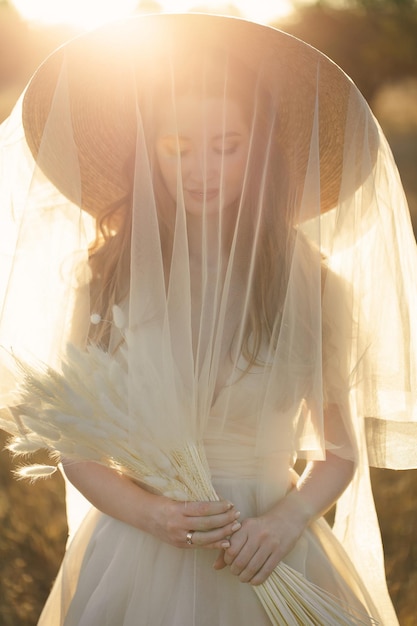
x: 228, y: 135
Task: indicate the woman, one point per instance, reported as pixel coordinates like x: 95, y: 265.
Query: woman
x: 241, y: 196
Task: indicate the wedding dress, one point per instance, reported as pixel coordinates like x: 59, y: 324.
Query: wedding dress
x: 212, y: 206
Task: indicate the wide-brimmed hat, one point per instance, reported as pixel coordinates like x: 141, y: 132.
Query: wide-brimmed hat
x: 98, y: 70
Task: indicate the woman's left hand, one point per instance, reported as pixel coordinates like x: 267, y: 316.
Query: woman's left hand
x: 262, y: 542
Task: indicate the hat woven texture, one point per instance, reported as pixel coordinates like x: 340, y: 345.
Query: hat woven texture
x: 102, y: 96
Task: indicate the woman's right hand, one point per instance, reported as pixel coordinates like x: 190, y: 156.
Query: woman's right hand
x: 210, y: 524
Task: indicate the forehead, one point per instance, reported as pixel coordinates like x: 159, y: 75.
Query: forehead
x: 190, y: 115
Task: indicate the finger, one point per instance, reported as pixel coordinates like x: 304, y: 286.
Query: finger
x: 205, y: 544
x: 214, y: 546
x: 238, y: 542
x: 254, y: 563
x: 205, y: 509
x: 212, y: 522
x: 254, y: 567
x: 249, y: 556
x: 219, y: 538
x: 264, y: 572
x: 247, y: 569
x: 219, y: 563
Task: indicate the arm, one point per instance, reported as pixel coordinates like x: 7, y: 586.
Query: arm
x: 166, y: 519
x: 262, y: 542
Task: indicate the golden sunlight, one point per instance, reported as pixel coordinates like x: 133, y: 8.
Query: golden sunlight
x: 80, y: 13
x: 91, y: 13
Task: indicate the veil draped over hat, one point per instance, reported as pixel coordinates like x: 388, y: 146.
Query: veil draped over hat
x: 303, y: 281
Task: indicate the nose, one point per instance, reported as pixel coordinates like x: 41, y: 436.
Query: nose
x: 204, y: 166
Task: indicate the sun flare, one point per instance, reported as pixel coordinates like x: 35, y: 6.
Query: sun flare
x: 91, y: 13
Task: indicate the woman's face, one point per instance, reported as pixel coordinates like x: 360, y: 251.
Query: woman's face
x: 204, y: 144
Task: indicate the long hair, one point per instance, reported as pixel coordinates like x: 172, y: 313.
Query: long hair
x: 110, y: 252
x: 109, y: 261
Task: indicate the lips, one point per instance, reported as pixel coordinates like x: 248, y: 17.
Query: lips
x: 201, y: 195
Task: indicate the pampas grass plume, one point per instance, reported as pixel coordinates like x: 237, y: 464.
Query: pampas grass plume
x: 36, y: 471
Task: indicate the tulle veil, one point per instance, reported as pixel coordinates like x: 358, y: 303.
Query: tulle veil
x: 306, y: 278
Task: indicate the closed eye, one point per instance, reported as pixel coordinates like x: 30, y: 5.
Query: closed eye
x: 227, y: 144
x: 225, y: 149
x: 174, y: 146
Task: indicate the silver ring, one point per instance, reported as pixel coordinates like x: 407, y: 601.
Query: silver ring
x: 189, y: 537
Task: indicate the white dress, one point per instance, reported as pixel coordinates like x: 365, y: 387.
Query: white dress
x: 318, y: 169
x: 114, y: 574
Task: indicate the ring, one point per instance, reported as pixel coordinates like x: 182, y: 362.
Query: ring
x: 189, y: 537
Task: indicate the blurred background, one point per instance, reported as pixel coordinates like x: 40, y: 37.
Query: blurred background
x: 375, y: 42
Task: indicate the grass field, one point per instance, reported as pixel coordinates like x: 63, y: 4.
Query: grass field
x: 33, y: 535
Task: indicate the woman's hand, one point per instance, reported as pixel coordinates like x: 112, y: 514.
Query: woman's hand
x: 208, y: 524
x: 262, y: 542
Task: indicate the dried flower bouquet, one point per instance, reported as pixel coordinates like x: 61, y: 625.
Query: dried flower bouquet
x: 82, y: 412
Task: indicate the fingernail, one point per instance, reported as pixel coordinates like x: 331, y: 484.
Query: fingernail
x: 236, y: 526
x: 225, y: 545
x: 230, y: 505
x: 237, y: 514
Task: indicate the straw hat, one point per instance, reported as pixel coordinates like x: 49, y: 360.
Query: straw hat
x: 102, y: 101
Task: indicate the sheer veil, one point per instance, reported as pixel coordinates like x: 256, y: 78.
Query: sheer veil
x: 293, y: 266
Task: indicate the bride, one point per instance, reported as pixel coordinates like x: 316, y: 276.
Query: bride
x: 208, y: 202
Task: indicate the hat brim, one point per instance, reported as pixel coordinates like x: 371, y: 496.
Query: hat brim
x: 98, y: 69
